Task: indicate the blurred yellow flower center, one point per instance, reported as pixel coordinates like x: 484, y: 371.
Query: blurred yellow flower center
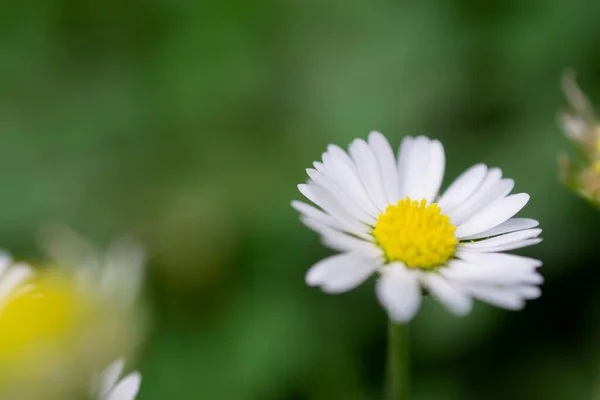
x: 40, y: 320
x: 415, y: 233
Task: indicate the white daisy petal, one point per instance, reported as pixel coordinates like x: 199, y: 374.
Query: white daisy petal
x: 315, y: 214
x: 493, y: 215
x: 109, y: 377
x: 463, y: 187
x: 404, y: 162
x: 330, y: 205
x: 399, y: 292
x: 421, y: 165
x: 505, y: 247
x: 387, y: 165
x: 495, y: 296
x: 511, y: 225
x: 123, y: 270
x: 368, y: 169
x: 487, y: 192
x: 435, y: 170
x: 342, y: 272
x: 339, y: 153
x: 422, y: 168
x: 127, y: 389
x: 508, y: 274
x: 500, y: 240
x: 528, y: 292
x: 452, y: 298
x: 5, y: 262
x: 16, y: 275
x: 343, y: 171
x: 476, y: 204
x: 498, y: 259
x: 491, y: 189
x: 340, y: 241
x: 347, y: 203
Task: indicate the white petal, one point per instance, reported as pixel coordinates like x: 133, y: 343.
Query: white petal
x: 491, y: 189
x: 109, y: 377
x: 345, y: 243
x: 463, y: 187
x: 347, y: 202
x: 342, y: 272
x: 5, y: 262
x: 340, y: 241
x: 339, y: 153
x: 493, y: 215
x: 507, y: 238
x: 123, y: 272
x: 512, y: 225
x: 508, y: 274
x: 528, y: 292
x: 421, y: 168
x: 477, y: 203
x: 452, y: 298
x: 498, y: 259
x: 315, y: 214
x: 342, y: 171
x: 127, y: 389
x: 15, y: 276
x: 505, y: 247
x: 404, y: 162
x: 330, y: 205
x: 387, y: 165
x: 399, y: 292
x: 499, y: 297
x: 368, y: 169
x: 435, y: 170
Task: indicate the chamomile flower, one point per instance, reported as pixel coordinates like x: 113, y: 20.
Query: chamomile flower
x: 110, y: 386
x: 385, y: 216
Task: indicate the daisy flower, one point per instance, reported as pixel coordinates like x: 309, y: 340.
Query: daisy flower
x: 385, y: 216
x: 49, y: 317
x: 109, y: 387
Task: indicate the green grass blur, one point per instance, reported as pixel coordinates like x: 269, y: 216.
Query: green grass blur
x: 190, y: 123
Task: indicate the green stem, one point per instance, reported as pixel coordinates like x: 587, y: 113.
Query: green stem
x: 398, y: 362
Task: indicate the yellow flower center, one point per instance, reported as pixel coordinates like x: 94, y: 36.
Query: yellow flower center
x: 41, y: 321
x: 415, y: 233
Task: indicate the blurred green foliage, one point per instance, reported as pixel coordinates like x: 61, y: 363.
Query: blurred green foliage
x: 190, y: 123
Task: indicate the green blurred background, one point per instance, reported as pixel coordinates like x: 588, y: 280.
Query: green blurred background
x: 190, y: 123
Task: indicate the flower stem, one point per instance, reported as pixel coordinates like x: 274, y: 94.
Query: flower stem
x: 398, y: 362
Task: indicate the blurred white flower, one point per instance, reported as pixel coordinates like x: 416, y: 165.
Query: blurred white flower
x: 62, y: 322
x: 385, y: 216
x: 110, y: 386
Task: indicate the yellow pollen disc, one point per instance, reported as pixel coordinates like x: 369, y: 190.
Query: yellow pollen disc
x: 415, y: 233
x: 45, y: 317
